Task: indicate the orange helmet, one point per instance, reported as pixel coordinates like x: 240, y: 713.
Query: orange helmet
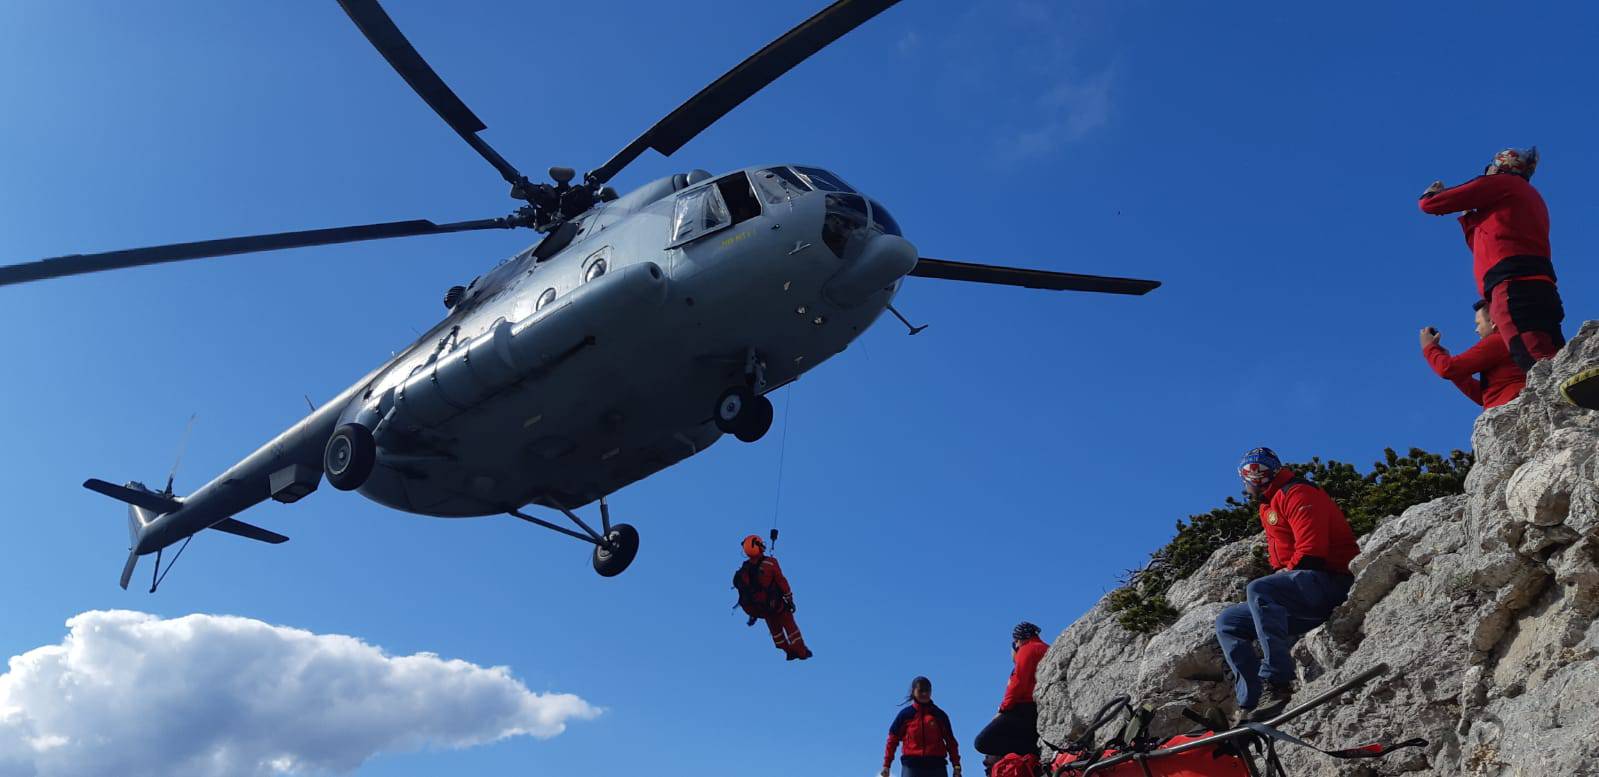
x: 753, y: 546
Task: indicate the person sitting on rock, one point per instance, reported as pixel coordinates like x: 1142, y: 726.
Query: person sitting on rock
x: 1015, y: 728
x: 764, y: 593
x: 1309, y: 545
x: 1501, y: 380
x: 925, y: 732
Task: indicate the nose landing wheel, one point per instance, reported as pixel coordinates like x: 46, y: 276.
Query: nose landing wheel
x: 617, y: 550
x: 614, y: 546
x: 743, y: 413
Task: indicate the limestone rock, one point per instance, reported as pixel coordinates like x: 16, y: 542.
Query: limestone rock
x: 1484, y: 605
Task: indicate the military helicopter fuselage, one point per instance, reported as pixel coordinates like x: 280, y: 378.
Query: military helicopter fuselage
x: 635, y: 334
x: 560, y: 380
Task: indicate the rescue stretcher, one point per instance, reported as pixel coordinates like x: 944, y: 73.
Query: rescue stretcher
x: 1206, y: 753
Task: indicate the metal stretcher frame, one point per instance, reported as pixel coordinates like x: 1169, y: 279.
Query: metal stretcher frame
x: 1238, y: 733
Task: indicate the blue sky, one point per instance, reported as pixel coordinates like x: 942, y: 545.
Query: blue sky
x: 1261, y: 159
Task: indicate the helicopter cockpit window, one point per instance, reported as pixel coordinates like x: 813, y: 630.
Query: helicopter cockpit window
x: 779, y: 185
x: 699, y: 212
x: 844, y: 222
x: 739, y: 196
x: 821, y: 179
x: 884, y: 221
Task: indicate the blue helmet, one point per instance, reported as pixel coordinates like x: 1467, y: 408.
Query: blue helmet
x: 1259, y: 466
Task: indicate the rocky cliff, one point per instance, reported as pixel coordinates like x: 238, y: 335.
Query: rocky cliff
x: 1483, y: 604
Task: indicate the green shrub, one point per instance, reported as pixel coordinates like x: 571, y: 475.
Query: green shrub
x: 1393, y: 484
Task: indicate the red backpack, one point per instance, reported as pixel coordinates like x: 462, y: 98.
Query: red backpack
x: 1014, y: 765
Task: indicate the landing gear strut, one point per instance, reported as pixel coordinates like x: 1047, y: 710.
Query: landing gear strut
x: 741, y: 411
x: 614, y: 549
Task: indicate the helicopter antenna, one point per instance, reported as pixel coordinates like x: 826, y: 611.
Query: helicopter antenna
x: 182, y: 445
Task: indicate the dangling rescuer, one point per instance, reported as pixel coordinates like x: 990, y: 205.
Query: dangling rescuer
x: 764, y: 593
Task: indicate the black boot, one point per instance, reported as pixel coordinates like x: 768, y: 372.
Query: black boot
x: 1274, y: 700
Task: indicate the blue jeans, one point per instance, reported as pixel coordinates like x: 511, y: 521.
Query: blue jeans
x: 1281, y: 607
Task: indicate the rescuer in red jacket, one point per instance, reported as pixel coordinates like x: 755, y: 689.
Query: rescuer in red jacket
x: 1501, y: 380
x: 764, y: 593
x: 1015, y: 728
x: 1309, y: 545
x: 925, y: 732
x: 1507, y: 229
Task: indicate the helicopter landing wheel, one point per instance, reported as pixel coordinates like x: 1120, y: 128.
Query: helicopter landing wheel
x: 743, y: 413
x: 617, y: 552
x: 349, y: 457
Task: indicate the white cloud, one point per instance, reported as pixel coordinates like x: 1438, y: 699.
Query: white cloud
x: 1069, y: 110
x: 128, y: 693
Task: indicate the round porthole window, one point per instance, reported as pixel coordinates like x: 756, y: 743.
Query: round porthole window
x: 595, y: 270
x: 544, y: 299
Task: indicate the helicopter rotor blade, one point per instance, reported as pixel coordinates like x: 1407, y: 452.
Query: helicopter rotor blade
x: 737, y: 85
x: 1032, y: 279
x: 79, y: 264
x: 386, y: 37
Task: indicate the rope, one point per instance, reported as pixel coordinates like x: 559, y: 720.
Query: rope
x: 782, y: 456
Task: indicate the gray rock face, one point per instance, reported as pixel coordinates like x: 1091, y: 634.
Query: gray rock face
x: 1484, y: 605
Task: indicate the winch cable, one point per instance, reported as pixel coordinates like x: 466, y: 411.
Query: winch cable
x: 782, y: 457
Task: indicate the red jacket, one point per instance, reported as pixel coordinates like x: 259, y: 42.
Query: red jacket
x: 1024, y: 677
x: 768, y: 593
x: 1505, y: 219
x: 1501, y: 379
x: 1301, y: 522
x: 925, y: 730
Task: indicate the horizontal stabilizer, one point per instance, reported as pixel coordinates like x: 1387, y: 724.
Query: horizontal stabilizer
x: 245, y: 530
x: 155, y: 503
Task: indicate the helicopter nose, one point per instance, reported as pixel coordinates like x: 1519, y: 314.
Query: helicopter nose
x: 885, y: 258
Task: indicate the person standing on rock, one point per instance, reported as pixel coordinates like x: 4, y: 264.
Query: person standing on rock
x: 1507, y: 229
x: 925, y: 732
x: 1015, y: 728
x: 1309, y: 545
x: 1501, y: 380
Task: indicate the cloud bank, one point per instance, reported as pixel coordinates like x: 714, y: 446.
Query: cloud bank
x: 128, y: 693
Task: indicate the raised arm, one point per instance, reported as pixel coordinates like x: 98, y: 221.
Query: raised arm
x: 1480, y: 192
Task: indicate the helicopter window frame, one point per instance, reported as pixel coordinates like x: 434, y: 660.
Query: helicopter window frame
x: 779, y: 185
x: 600, y: 260
x: 823, y: 180
x: 698, y: 212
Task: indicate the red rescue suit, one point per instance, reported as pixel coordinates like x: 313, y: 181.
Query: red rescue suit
x: 764, y: 593
x: 926, y: 733
x: 1024, y: 677
x: 1305, y: 529
x: 1507, y: 229
x: 1501, y: 379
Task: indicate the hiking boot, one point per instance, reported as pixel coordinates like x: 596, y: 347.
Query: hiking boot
x: 1274, y: 700
x: 1582, y: 389
x: 791, y: 656
x: 806, y: 655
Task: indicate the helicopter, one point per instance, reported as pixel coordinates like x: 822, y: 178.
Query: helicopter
x: 637, y: 331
